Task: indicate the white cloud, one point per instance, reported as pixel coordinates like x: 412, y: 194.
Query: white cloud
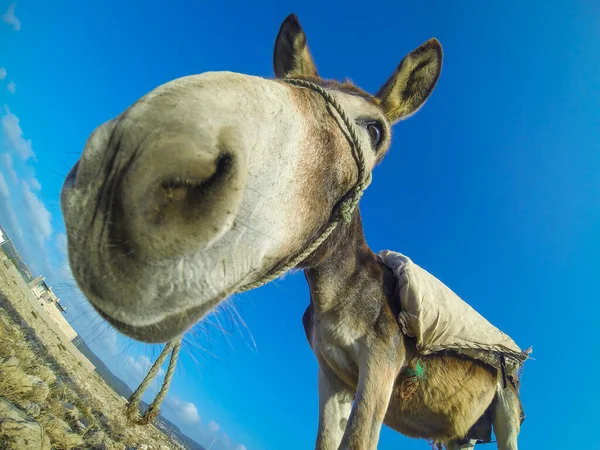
x: 23, y: 213
x: 40, y: 218
x: 7, y: 161
x: 139, y: 366
x: 213, y: 427
x: 2, y: 73
x: 4, y: 191
x: 225, y: 440
x: 14, y: 135
x: 241, y: 447
x: 186, y: 411
x: 189, y: 413
x: 9, y: 218
x: 11, y: 87
x: 35, y: 184
x: 11, y: 18
x: 134, y: 369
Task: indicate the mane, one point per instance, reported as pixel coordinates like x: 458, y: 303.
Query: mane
x: 346, y: 86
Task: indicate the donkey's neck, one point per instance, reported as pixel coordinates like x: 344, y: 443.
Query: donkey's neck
x: 348, y: 270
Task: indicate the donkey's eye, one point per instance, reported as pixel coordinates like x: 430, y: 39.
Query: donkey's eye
x: 375, y: 133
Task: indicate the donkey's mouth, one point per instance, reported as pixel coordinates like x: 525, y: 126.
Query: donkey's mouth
x: 165, y: 329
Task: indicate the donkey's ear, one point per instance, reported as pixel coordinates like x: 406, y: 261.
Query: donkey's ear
x: 291, y: 57
x: 412, y: 82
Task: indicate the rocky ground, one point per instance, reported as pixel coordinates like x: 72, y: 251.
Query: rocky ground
x: 48, y: 400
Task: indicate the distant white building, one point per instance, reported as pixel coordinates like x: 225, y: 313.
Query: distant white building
x: 2, y: 237
x: 40, y: 288
x: 52, y: 306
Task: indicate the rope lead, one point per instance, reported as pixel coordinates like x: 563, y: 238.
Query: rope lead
x: 132, y: 407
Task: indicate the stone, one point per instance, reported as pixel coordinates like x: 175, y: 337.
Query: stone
x: 71, y: 411
x: 96, y: 439
x: 36, y: 384
x: 79, y: 426
x: 9, y: 361
x: 84, y: 421
x: 102, y: 419
x: 19, y: 432
x: 31, y: 408
x: 69, y: 406
x: 60, y: 431
x: 45, y: 374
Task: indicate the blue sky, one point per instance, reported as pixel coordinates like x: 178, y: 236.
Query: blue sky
x: 494, y: 186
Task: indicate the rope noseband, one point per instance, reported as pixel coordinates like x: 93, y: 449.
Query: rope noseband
x: 344, y: 214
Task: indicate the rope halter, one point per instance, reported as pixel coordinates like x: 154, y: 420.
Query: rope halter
x: 344, y: 213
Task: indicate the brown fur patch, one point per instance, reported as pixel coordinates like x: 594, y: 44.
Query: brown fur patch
x: 408, y: 387
x: 446, y: 404
x: 331, y: 160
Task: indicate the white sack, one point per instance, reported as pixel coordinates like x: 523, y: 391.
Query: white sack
x: 440, y: 320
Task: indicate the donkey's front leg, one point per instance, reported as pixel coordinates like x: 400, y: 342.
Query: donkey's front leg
x: 375, y: 385
x: 335, y: 403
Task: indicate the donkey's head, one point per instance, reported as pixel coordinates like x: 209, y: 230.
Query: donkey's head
x: 211, y: 181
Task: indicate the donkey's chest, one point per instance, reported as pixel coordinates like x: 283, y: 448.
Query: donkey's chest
x: 338, y: 349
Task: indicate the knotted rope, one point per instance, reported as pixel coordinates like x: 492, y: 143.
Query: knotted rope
x: 344, y: 214
x: 132, y: 407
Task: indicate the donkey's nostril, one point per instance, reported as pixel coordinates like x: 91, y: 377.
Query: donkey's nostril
x: 188, y: 196
x: 224, y: 163
x: 190, y: 186
x: 70, y: 180
x: 180, y: 196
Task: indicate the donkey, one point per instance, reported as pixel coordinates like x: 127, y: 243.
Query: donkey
x: 364, y: 359
x: 209, y: 182
x: 364, y: 363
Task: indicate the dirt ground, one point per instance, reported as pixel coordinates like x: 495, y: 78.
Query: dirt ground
x: 48, y: 399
